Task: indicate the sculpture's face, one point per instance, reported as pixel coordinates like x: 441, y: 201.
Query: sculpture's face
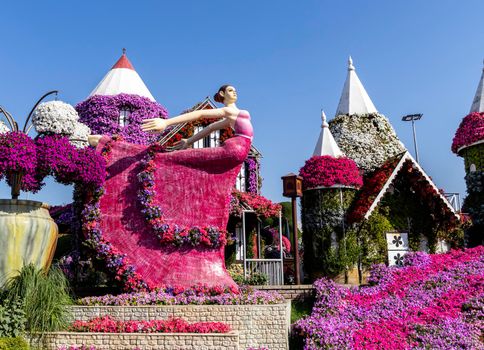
x: 230, y: 95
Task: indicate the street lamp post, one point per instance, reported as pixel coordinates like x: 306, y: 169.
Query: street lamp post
x: 292, y: 188
x: 413, y: 118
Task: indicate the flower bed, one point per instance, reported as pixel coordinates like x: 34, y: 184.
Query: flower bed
x: 107, y: 324
x: 101, y: 114
x: 328, y: 171
x: 434, y: 302
x: 197, y: 295
x: 471, y: 130
x: 261, y: 205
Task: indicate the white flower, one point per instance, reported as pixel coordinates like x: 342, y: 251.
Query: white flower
x: 368, y: 139
x: 55, y: 117
x: 3, y: 128
x: 79, y: 137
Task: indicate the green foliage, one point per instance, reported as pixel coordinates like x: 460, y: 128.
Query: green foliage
x: 12, y: 318
x: 372, y: 238
x: 236, y: 271
x: 44, y: 298
x: 329, y: 243
x: 13, y: 344
x: 301, y: 308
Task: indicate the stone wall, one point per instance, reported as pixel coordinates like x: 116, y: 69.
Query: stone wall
x: 257, y: 325
x: 291, y: 292
x: 144, y: 341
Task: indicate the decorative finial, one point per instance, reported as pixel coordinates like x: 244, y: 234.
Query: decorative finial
x: 124, y: 51
x: 323, y: 118
x: 350, y: 64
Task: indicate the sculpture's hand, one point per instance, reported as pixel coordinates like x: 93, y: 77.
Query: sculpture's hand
x: 182, y: 144
x: 93, y: 140
x: 154, y: 125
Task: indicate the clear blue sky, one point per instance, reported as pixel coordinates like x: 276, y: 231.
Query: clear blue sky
x: 286, y: 58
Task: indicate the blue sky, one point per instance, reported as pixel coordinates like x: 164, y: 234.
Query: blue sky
x: 287, y: 59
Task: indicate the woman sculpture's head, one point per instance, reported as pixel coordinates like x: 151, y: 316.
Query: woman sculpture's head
x: 226, y: 95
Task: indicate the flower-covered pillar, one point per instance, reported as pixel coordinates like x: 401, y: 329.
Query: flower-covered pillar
x: 468, y: 143
x: 330, y: 181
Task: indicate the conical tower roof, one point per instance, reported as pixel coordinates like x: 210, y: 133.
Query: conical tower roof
x: 478, y: 102
x: 354, y: 98
x: 326, y: 145
x: 122, y: 79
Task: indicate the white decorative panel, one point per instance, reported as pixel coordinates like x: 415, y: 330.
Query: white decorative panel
x: 395, y: 257
x: 397, y: 241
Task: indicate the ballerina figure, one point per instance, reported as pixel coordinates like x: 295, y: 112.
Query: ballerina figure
x: 193, y: 188
x: 231, y: 116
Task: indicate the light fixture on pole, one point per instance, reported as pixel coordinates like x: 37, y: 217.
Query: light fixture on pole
x: 413, y: 118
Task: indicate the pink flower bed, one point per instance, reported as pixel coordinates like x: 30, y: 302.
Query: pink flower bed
x: 107, y: 324
x: 262, y: 206
x: 328, y: 171
x: 434, y: 302
x: 471, y: 129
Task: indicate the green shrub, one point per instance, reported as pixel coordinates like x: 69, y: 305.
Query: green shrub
x: 13, y: 344
x: 44, y: 298
x: 12, y: 319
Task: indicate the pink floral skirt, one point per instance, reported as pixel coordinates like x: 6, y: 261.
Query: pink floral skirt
x: 193, y: 188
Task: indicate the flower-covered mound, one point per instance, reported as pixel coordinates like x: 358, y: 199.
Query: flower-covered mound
x: 107, y: 324
x: 261, y: 205
x: 433, y: 302
x: 327, y: 171
x: 102, y: 113
x: 57, y: 117
x: 368, y: 139
x: 3, y: 127
x: 197, y: 295
x: 471, y: 130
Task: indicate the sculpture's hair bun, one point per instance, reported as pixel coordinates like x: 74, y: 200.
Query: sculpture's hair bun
x: 218, y: 97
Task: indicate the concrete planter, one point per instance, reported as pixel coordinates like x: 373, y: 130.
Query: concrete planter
x: 27, y: 235
x: 144, y: 341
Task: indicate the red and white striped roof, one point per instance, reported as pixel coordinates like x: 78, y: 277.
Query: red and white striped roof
x: 122, y: 79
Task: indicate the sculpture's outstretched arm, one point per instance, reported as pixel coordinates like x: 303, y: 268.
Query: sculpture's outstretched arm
x: 185, y: 143
x: 159, y: 124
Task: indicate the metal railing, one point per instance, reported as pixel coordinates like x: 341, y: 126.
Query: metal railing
x: 454, y: 200
x: 272, y: 268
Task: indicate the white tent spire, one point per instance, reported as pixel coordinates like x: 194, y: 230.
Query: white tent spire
x: 354, y: 98
x: 122, y: 79
x: 478, y: 102
x: 326, y: 145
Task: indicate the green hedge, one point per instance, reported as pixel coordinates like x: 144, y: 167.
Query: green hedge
x: 13, y: 344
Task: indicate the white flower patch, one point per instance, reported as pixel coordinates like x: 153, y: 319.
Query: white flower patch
x: 3, y: 128
x: 55, y: 117
x: 368, y: 139
x: 79, y: 137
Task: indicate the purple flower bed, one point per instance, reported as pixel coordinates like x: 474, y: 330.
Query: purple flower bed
x: 195, y: 296
x: 471, y: 129
x: 101, y: 114
x: 434, y: 302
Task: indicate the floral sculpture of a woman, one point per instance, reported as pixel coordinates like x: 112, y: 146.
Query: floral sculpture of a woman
x: 193, y: 189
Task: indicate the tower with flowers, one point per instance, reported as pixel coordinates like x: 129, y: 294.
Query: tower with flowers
x: 330, y: 181
x: 468, y: 143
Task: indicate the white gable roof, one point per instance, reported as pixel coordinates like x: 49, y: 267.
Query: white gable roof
x: 122, y: 79
x: 326, y: 145
x: 354, y: 98
x: 478, y: 102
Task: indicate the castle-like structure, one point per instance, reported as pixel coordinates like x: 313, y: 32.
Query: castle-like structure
x: 350, y: 221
